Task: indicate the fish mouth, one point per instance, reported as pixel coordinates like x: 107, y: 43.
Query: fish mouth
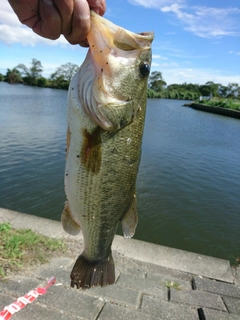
x: 112, y: 50
x: 107, y: 38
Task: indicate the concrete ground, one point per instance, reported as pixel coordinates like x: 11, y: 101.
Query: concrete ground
x: 152, y: 282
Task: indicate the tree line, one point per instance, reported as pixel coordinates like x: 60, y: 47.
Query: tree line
x: 157, y: 87
x: 32, y: 75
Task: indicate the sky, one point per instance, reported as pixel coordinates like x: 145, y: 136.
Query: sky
x: 196, y: 41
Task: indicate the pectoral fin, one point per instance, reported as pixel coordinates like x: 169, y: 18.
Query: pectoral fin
x: 130, y: 219
x: 68, y: 223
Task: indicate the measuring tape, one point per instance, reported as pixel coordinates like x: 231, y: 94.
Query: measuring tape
x: 21, y: 302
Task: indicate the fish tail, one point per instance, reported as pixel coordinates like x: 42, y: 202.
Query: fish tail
x: 86, y: 274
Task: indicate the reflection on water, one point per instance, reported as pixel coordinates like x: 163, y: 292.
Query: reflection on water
x: 32, y: 130
x: 189, y: 174
x: 188, y: 184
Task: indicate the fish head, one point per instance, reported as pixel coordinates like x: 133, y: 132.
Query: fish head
x: 119, y: 62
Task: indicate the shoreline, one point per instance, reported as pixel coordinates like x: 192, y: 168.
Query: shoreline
x: 216, y: 110
x: 163, y: 256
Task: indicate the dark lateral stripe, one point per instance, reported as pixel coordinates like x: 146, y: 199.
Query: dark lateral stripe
x: 91, y: 153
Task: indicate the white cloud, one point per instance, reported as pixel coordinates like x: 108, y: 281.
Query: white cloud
x: 176, y: 8
x: 25, y: 36
x: 154, y: 64
x: 153, y: 3
x: 157, y: 56
x: 199, y: 76
x: 168, y: 65
x: 12, y: 31
x: 237, y: 53
x: 7, y: 16
x: 205, y: 22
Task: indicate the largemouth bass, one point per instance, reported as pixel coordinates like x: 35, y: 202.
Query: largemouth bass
x: 106, y: 112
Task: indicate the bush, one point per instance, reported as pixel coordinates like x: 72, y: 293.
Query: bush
x: 41, y: 82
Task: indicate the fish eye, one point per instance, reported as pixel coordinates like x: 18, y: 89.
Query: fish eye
x: 145, y: 69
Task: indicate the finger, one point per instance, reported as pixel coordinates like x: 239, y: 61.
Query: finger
x: 80, y: 22
x: 99, y: 6
x: 27, y: 13
x: 49, y: 23
x: 84, y: 43
x: 65, y: 9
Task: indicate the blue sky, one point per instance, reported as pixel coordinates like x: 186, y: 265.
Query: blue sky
x: 195, y: 40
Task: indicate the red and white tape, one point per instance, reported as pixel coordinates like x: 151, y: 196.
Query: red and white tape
x: 21, y: 302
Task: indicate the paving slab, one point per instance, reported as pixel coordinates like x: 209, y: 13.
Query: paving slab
x: 167, y: 273
x: 117, y: 294
x: 171, y: 282
x: 145, y: 285
x: 5, y: 299
x: 73, y: 302
x: 111, y: 311
x: 168, y: 310
x: 218, y: 287
x: 129, y: 270
x: 211, y: 314
x: 233, y: 305
x: 37, y: 312
x: 20, y: 285
x: 62, y: 275
x: 198, y: 299
x: 150, y: 270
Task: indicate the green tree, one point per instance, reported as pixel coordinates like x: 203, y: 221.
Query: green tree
x: 59, y: 83
x: 30, y: 75
x: 65, y: 71
x: 223, y: 90
x: 205, y: 90
x: 186, y: 91
x: 213, y: 88
x: 63, y: 75
x: 156, y: 81
x: 233, y: 90
x: 41, y: 82
x: 13, y: 76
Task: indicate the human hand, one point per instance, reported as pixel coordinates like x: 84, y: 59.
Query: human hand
x: 51, y: 18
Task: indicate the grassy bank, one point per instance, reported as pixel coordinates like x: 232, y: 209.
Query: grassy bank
x: 233, y: 104
x: 22, y: 249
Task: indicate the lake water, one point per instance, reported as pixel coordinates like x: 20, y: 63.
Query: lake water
x: 188, y: 185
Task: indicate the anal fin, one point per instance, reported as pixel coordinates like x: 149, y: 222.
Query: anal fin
x: 68, y: 223
x: 130, y: 219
